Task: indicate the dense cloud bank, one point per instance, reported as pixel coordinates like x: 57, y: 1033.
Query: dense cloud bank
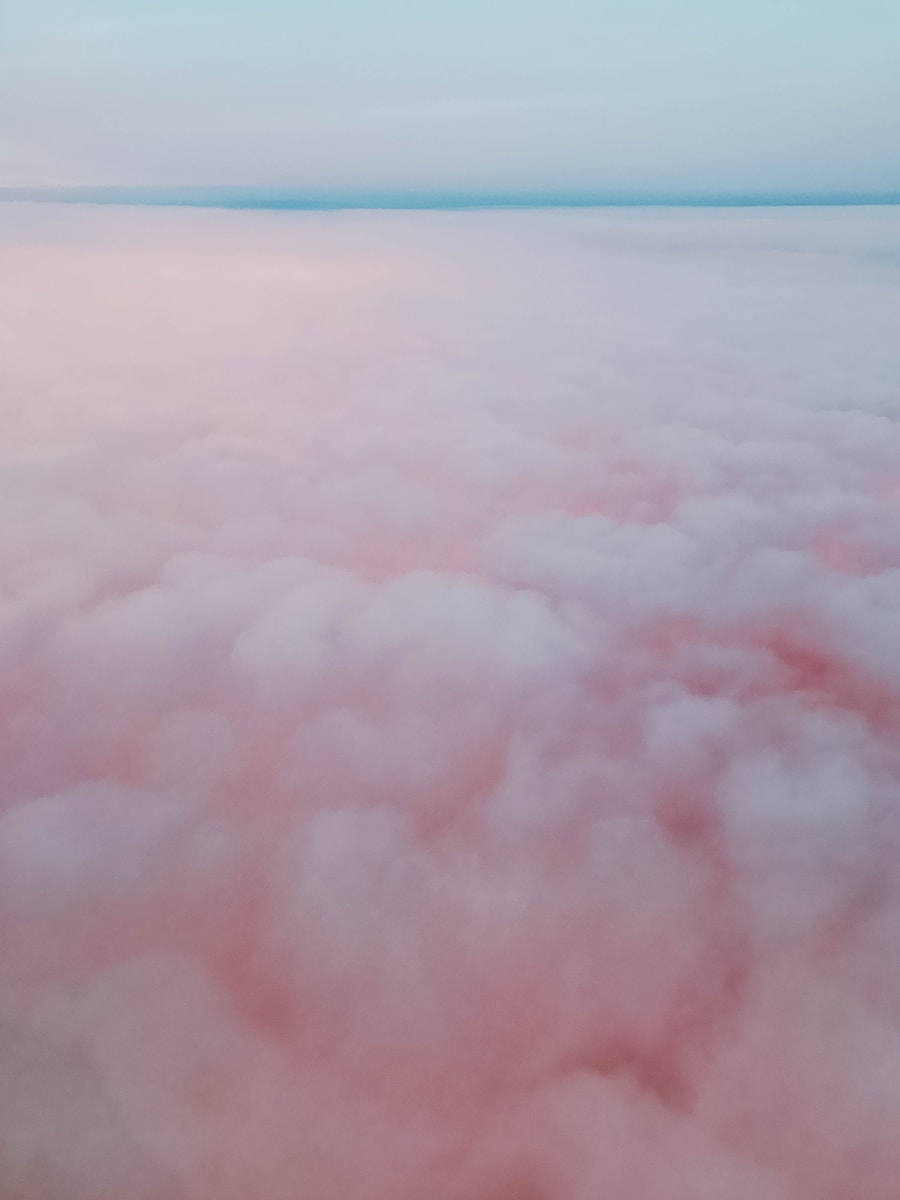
x: 450, y: 685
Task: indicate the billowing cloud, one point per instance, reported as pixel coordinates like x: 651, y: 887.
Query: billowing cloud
x: 450, y: 676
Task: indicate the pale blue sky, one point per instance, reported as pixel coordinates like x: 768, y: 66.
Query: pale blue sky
x: 701, y: 96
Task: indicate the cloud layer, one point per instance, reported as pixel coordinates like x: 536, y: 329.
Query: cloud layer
x: 450, y: 677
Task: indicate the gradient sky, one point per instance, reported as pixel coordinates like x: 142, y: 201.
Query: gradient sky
x: 799, y: 96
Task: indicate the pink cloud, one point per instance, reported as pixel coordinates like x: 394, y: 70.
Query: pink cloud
x: 451, y: 695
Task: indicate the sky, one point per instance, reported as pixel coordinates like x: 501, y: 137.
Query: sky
x: 578, y: 96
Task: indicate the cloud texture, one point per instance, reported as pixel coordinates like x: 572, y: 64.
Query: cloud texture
x: 450, y: 685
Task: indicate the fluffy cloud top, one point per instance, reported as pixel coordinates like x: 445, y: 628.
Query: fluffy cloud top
x: 450, y: 685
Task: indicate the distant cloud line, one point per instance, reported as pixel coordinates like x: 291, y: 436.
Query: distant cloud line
x: 315, y: 201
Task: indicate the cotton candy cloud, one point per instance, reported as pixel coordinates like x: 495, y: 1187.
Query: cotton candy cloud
x: 450, y: 686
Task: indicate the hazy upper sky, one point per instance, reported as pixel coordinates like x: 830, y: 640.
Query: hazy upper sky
x: 633, y: 95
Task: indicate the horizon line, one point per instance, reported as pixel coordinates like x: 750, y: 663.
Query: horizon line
x: 297, y: 199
